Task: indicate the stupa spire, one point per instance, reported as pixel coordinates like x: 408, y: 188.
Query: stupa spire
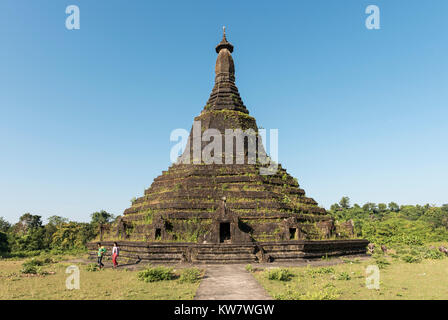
x: 225, y: 94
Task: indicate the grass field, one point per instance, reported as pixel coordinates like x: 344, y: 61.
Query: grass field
x: 104, y: 284
x: 399, y: 280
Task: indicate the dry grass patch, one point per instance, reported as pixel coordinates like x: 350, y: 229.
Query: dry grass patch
x: 105, y: 284
x: 399, y: 280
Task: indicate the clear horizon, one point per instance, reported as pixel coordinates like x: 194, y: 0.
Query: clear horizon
x: 86, y: 115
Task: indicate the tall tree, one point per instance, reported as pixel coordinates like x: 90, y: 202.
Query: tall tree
x: 370, y: 207
x: 394, y: 207
x: 4, y: 225
x: 28, y: 234
x: 57, y: 220
x: 72, y: 235
x: 382, y: 207
x: 345, y: 203
x: 101, y: 217
x: 28, y: 222
x: 4, y: 246
x: 335, y: 207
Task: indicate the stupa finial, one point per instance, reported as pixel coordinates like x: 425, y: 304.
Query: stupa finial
x: 224, y: 43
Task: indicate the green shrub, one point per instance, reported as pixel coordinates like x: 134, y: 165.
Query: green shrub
x: 280, y: 274
x: 412, y: 240
x: 395, y: 256
x: 33, y: 262
x: 37, y: 262
x: 92, y: 267
x: 411, y: 258
x: 318, y: 271
x: 190, y: 275
x: 34, y: 265
x: 416, y: 253
x: 343, y: 276
x: 29, y: 269
x: 381, y: 262
x: 153, y: 274
x: 433, y: 254
x: 47, y: 259
x: 42, y: 272
x: 325, y: 294
x: 249, y: 268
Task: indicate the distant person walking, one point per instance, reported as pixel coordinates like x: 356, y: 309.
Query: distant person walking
x: 101, y: 252
x: 115, y: 254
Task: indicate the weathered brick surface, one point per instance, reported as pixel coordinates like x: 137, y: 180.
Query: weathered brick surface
x: 228, y: 253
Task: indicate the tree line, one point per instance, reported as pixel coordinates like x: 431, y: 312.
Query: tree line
x: 379, y: 223
x: 394, y: 224
x: 29, y: 235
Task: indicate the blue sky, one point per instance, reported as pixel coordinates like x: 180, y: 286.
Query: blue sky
x: 86, y: 115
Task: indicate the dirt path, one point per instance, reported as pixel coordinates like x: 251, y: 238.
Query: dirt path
x: 230, y: 282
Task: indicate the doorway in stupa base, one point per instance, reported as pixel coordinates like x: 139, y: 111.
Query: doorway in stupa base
x: 227, y: 228
x: 224, y: 232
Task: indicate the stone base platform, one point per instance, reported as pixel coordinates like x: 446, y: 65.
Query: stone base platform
x: 223, y: 253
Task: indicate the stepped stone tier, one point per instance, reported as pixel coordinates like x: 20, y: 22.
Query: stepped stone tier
x: 227, y: 209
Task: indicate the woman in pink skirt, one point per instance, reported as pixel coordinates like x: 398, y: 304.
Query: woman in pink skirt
x: 115, y: 253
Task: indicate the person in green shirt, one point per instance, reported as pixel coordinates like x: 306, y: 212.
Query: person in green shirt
x: 101, y: 252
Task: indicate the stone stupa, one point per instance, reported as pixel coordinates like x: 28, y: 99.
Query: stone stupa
x: 212, y: 210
